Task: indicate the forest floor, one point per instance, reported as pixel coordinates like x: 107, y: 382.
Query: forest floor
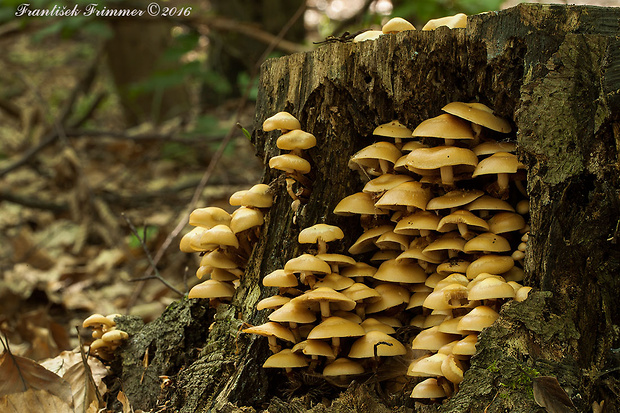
x: 67, y: 199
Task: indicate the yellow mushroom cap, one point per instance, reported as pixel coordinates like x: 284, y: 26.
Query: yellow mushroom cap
x: 393, y: 129
x: 466, y: 346
x: 280, y: 278
x: 313, y: 347
x: 487, y: 242
x: 478, y: 318
x: 209, y: 217
x: 427, y: 366
x: 258, y: 196
x: 290, y: 163
x: 285, y: 359
x: 400, y: 272
x: 292, y: 313
x: 343, y: 367
x: 428, y: 389
x: 281, y: 120
x: 431, y: 339
x: 218, y: 236
x: 396, y: 25
x: 245, y: 218
x: 358, y: 203
x: 296, y: 139
x: 441, y: 156
x: 318, y: 232
x: 453, y: 199
x: 491, y: 288
x: 494, y: 264
x: 407, y: 194
x: 479, y: 114
x: 367, y: 35
x: 212, y: 289
x: 444, y: 126
x: 272, y: 329
x: 97, y: 321
x: 336, y: 327
x: 376, y: 341
x: 458, y: 21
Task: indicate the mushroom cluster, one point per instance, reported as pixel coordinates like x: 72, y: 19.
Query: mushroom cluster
x: 293, y: 164
x: 107, y: 336
x: 443, y: 227
x: 318, y: 313
x: 398, y: 24
x: 445, y: 230
x: 225, y: 241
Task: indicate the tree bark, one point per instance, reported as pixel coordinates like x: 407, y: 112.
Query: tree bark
x: 553, y: 70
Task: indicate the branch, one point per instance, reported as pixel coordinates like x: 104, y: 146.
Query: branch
x: 149, y: 257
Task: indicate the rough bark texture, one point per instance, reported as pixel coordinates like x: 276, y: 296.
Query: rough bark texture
x: 554, y: 70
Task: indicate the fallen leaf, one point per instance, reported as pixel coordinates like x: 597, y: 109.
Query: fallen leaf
x: 549, y: 394
x: 125, y: 402
x: 33, y: 400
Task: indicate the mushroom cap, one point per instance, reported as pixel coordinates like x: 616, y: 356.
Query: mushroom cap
x: 313, y: 347
x: 383, y: 344
x: 292, y: 313
x: 307, y: 263
x: 336, y: 327
x: 280, y: 278
x: 258, y: 196
x: 453, y: 265
x: 190, y: 242
x: 453, y: 199
x: 209, y: 217
x: 454, y: 278
x: 296, y: 139
x: 466, y: 346
x: 444, y: 126
x: 450, y: 326
x: 212, y: 289
x: 489, y: 203
x: 290, y: 163
x: 326, y: 294
x: 282, y: 121
x: 334, y: 281
x: 358, y: 203
x: 318, y: 232
x: 245, y: 218
x: 343, y: 367
x: 522, y: 293
x: 462, y: 216
x: 368, y: 158
x: 506, y: 222
x: 416, y: 251
x: 366, y: 241
x: 440, y: 156
x: 385, y: 182
x: 275, y: 301
x: 448, y: 241
x: 417, y: 299
x: 360, y: 291
x: 447, y: 298
x: 479, y: 114
x: 427, y: 366
x: 452, y: 369
x: 458, y: 21
x: 339, y: 260
x: 367, y: 35
x: 491, y: 147
x: 407, y: 194
x: 392, y: 295
x: 219, y: 236
x: 431, y: 339
x: 396, y: 25
x: 285, y: 359
x: 393, y: 129
x: 478, y: 318
x: 219, y: 259
x: 487, y: 242
x: 428, y: 389
x: 389, y: 240
x: 97, y: 321
x: 372, y: 324
x: 499, y: 162
x: 359, y: 269
x: 491, y: 288
x: 400, y: 272
x: 419, y: 220
x: 492, y: 263
x: 272, y: 329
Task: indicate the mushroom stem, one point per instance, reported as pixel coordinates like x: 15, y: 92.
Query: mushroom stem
x: 295, y: 330
x: 273, y: 344
x: 502, y: 182
x: 302, y: 179
x: 289, y: 188
x: 325, y: 311
x: 384, y: 165
x: 321, y: 246
x: 447, y: 175
x: 336, y: 345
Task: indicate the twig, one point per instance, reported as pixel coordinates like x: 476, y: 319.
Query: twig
x: 217, y: 155
x: 148, y: 255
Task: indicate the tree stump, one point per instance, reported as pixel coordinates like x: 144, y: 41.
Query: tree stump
x: 555, y: 72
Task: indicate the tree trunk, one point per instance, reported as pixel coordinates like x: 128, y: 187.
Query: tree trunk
x: 555, y: 71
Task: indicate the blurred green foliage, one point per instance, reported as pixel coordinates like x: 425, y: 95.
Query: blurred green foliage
x: 421, y: 11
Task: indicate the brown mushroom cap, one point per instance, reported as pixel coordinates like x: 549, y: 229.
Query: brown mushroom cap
x: 478, y: 318
x: 385, y: 182
x: 313, y: 347
x: 441, y: 156
x: 393, y: 129
x: 427, y: 365
x: 292, y: 313
x: 491, y: 147
x: 376, y: 343
x: 499, y: 162
x: 464, y: 220
x: 366, y: 241
x: 491, y: 288
x: 245, y: 218
x: 358, y: 203
x: 219, y: 236
x: 324, y: 296
x: 281, y: 120
x: 307, y: 263
x: 487, y: 242
x: 275, y: 301
x: 419, y: 220
x: 320, y: 232
x: 359, y: 269
x: 431, y: 339
x: 494, y: 264
x: 258, y: 196
x: 466, y: 346
x: 400, y: 272
x: 506, y: 222
x: 375, y: 159
x: 479, y: 114
x: 280, y: 278
x: 489, y: 203
x: 391, y: 296
x: 272, y: 329
x: 336, y: 327
x: 453, y: 199
x: 98, y: 321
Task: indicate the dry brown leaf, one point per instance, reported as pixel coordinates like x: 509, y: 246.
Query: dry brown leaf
x: 549, y: 394
x: 86, y: 398
x: 33, y: 400
x: 21, y: 374
x: 125, y: 402
x: 67, y: 359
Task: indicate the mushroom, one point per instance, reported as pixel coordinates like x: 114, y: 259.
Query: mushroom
x: 320, y: 234
x: 286, y: 359
x: 458, y: 21
x: 335, y: 328
x: 444, y: 158
x: 272, y: 331
x: 281, y: 120
x: 396, y: 25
